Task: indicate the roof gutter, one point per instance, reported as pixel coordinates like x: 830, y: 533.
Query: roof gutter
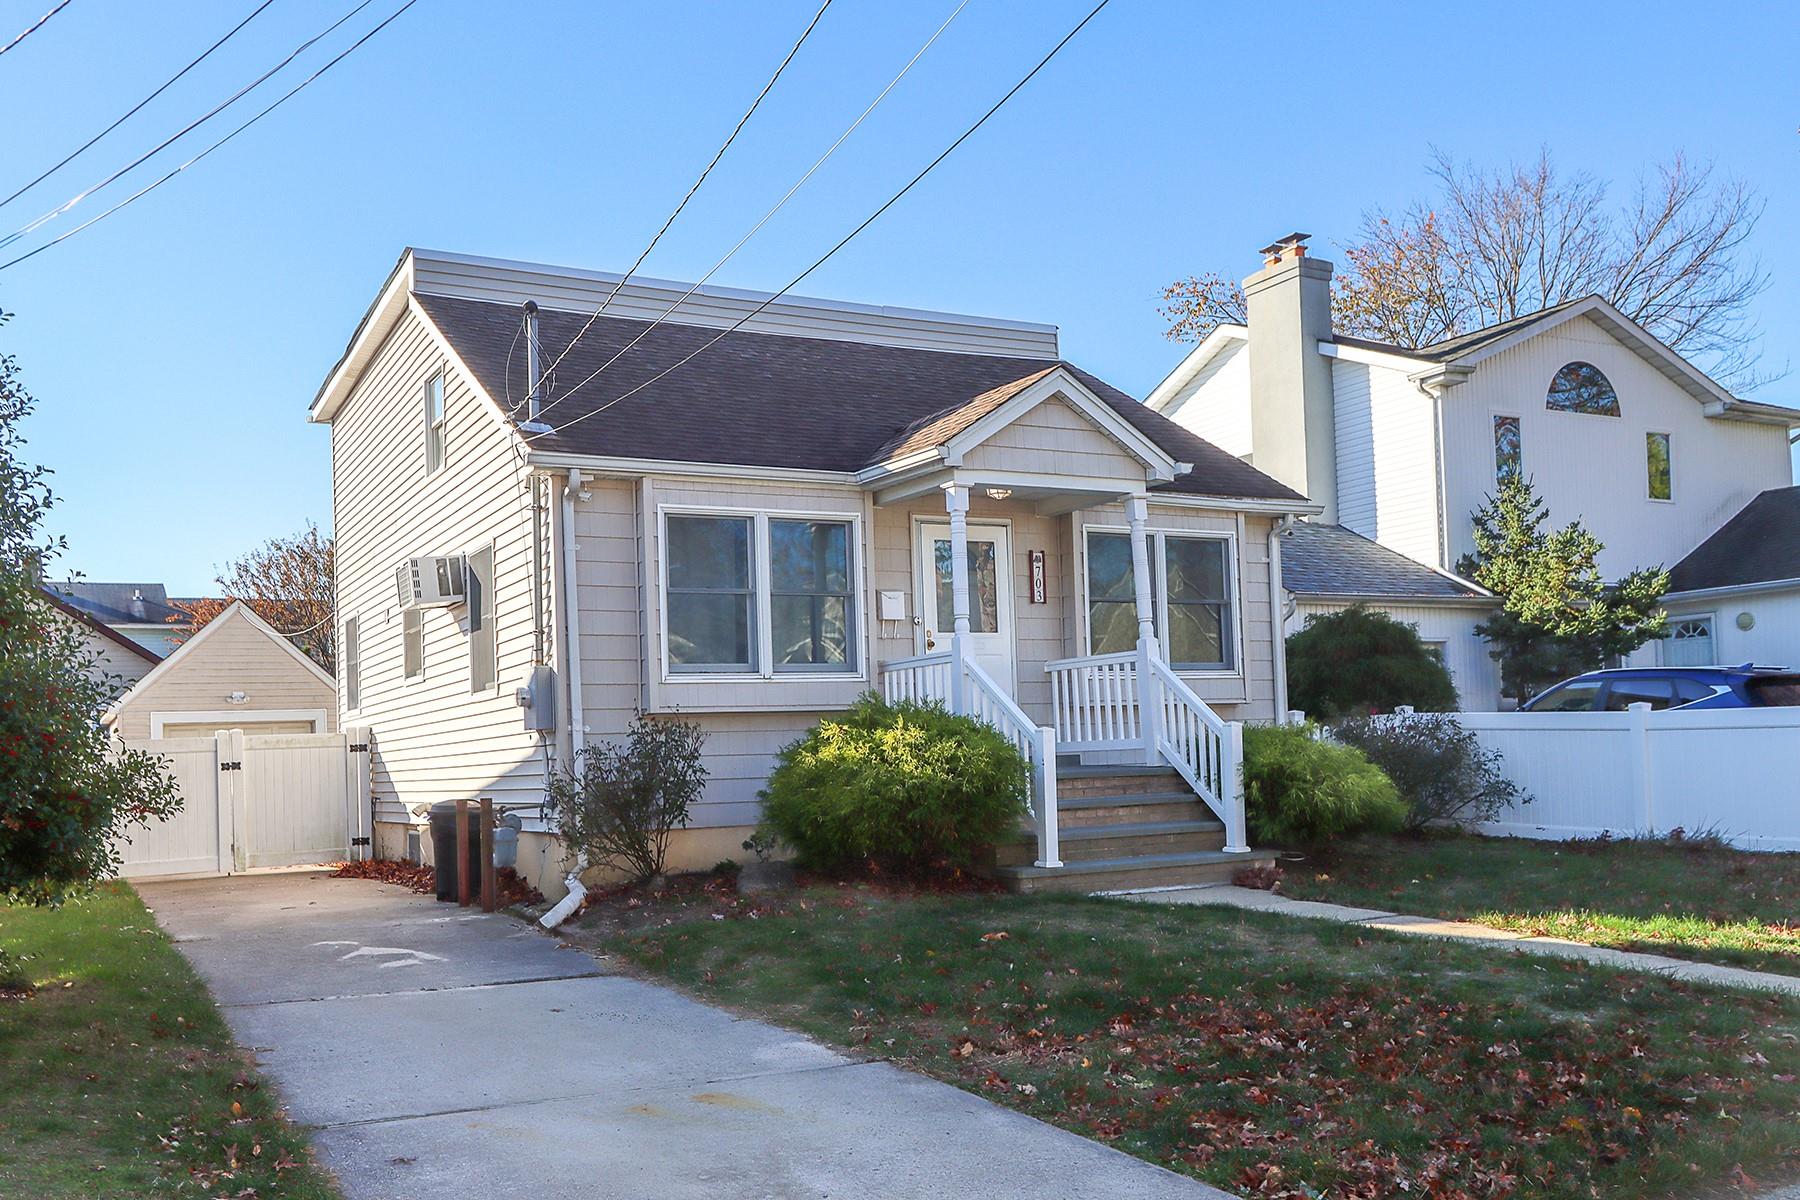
x: 1734, y: 589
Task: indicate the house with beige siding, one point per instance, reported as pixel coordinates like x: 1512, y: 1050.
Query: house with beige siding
x: 1401, y: 445
x: 113, y: 658
x: 561, y: 497
x: 237, y: 672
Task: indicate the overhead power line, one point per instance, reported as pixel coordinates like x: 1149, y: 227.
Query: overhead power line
x: 737, y: 129
x: 133, y: 110
x: 78, y: 197
x: 34, y: 26
x: 756, y: 228
x: 847, y: 238
x: 154, y: 184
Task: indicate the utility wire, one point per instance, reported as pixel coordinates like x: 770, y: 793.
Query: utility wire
x: 78, y: 197
x: 139, y: 105
x: 34, y: 26
x: 870, y: 220
x: 742, y: 121
x: 154, y: 184
x: 755, y: 229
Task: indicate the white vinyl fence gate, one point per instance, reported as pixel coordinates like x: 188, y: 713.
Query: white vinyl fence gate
x: 258, y: 800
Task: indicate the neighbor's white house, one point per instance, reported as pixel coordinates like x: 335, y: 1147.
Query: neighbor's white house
x: 749, y: 510
x: 1400, y: 446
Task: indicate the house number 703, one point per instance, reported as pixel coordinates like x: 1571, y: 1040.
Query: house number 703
x: 1037, y: 577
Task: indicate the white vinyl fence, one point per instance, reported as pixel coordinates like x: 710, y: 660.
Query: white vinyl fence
x: 1734, y: 772
x: 265, y: 800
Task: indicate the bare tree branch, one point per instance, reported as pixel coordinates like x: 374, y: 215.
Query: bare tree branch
x: 288, y: 582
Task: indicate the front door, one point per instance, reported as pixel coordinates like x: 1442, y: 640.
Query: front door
x: 990, y: 596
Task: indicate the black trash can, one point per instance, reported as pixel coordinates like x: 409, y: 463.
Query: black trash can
x: 443, y: 850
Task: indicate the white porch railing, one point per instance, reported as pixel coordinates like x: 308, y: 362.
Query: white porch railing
x: 1134, y: 701
x: 932, y: 678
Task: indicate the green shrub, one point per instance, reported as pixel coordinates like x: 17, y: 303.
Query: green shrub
x: 1360, y: 661
x: 904, y: 786
x: 1300, y: 790
x: 624, y: 800
x: 1443, y: 772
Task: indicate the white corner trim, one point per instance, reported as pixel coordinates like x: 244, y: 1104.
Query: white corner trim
x: 1209, y: 348
x: 233, y: 718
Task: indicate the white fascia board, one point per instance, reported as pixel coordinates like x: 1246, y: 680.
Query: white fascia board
x: 1405, y: 598
x: 1378, y: 358
x: 597, y: 464
x: 1733, y: 589
x: 1753, y: 411
x: 1295, y: 508
x: 390, y: 302
x: 1060, y: 381
x: 1209, y: 348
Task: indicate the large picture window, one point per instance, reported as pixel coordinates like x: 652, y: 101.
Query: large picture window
x: 712, y: 602
x: 760, y: 594
x: 1191, y: 598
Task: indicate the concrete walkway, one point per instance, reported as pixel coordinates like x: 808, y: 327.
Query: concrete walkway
x: 1230, y: 896
x: 438, y: 1051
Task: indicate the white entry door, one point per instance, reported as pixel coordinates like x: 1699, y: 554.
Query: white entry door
x: 990, y: 596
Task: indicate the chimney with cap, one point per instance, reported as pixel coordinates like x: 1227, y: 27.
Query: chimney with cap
x: 1292, y: 427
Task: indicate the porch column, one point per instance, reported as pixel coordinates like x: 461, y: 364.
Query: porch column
x: 1149, y: 688
x: 956, y: 502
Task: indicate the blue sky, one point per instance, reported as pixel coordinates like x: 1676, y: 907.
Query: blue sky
x: 174, y: 348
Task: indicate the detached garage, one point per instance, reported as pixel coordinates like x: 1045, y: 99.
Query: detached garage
x: 238, y: 672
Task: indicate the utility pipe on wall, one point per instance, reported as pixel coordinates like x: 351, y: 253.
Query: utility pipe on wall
x: 571, y: 638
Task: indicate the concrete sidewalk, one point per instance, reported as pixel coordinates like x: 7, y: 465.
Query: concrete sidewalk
x: 439, y: 1051
x: 1230, y: 896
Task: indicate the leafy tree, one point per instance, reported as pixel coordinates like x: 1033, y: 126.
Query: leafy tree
x: 1358, y: 661
x: 1496, y: 244
x: 65, y: 794
x: 288, y: 582
x: 1558, y: 616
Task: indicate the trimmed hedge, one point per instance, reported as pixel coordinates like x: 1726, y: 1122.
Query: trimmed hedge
x: 1299, y: 790
x: 907, y: 787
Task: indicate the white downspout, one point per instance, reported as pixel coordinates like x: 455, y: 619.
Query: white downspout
x: 1278, y: 616
x: 571, y: 633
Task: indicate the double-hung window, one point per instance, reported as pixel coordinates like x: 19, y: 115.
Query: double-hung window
x: 434, y: 423
x: 759, y: 594
x: 1191, y: 598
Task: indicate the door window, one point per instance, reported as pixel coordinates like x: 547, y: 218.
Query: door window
x: 1690, y: 642
x: 984, y: 587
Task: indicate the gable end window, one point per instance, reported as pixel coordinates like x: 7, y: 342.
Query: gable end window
x: 434, y: 423
x: 1658, y: 468
x: 1580, y: 387
x: 1190, y: 593
x: 1509, y: 449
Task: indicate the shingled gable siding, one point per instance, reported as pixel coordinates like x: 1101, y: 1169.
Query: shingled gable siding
x: 237, y: 657
x: 1054, y: 438
x: 433, y: 740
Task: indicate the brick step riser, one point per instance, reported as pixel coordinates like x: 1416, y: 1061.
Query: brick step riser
x: 1133, y: 814
x: 1019, y: 854
x: 1122, y: 785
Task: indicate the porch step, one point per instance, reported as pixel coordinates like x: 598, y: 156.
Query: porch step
x: 1082, y: 812
x: 1127, y: 874
x: 1076, y: 782
x: 1101, y: 842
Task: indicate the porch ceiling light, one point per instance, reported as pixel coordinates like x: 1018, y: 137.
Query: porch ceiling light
x: 998, y: 493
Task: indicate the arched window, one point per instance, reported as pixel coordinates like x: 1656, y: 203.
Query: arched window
x: 1581, y: 388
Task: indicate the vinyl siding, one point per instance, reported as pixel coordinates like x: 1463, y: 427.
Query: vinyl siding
x: 1054, y: 429
x: 1592, y: 468
x: 1475, y: 674
x: 1215, y: 404
x: 1773, y: 639
x: 113, y: 663
x: 1386, y: 459
x: 236, y: 657
x: 431, y: 739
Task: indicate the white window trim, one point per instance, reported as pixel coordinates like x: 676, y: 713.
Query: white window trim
x: 1155, y: 534
x: 233, y: 718
x: 763, y: 629
x: 1648, y: 434
x: 492, y: 546
x: 439, y: 429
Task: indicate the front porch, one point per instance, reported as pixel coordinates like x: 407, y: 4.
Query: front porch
x: 1136, y: 779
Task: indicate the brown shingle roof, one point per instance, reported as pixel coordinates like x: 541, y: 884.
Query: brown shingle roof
x: 759, y: 399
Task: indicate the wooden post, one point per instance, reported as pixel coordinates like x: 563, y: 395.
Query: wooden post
x: 462, y: 853
x: 490, y: 899
x: 956, y: 501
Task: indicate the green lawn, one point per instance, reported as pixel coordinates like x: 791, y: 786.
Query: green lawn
x: 1685, y: 899
x: 120, y: 1077
x: 1265, y: 1055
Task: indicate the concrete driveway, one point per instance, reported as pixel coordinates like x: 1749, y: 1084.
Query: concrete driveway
x: 439, y: 1051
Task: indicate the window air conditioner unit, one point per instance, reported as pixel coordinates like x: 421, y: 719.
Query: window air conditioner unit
x: 432, y: 582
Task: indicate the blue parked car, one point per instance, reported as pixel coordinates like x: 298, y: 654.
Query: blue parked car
x: 1615, y: 690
